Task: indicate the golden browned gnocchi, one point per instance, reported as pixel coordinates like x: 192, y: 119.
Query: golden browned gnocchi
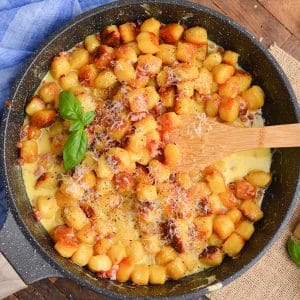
x: 121, y: 211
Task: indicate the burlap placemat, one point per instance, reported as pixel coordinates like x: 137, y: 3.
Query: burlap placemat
x: 274, y: 276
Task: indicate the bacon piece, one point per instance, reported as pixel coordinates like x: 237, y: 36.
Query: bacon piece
x: 110, y: 274
x: 177, y: 231
x: 111, y: 36
x: 136, y: 116
x: 244, y: 190
x: 203, y: 207
x: 103, y: 56
x: 88, y: 210
x: 210, y: 252
x: 63, y: 232
x: 124, y: 181
x: 40, y: 170
x: 24, y: 131
x: 37, y: 215
x: 153, y: 147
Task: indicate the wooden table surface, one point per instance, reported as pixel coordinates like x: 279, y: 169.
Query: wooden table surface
x: 271, y: 21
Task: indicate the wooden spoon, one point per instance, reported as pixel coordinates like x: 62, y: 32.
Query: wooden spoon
x: 203, y: 141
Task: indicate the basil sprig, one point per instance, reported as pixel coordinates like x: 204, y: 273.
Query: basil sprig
x: 293, y: 247
x: 76, y: 145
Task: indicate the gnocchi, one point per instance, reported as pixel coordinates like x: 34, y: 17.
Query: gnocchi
x: 123, y: 212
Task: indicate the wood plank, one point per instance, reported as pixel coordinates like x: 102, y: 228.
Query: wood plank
x: 75, y: 291
x: 49, y: 290
x: 252, y: 15
x: 11, y: 297
x: 29, y: 294
x: 292, y: 46
x: 210, y: 4
x: 287, y: 12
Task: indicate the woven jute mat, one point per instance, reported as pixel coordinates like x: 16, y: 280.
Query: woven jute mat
x: 274, y: 276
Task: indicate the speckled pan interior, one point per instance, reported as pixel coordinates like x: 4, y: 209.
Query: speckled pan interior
x: 280, y: 108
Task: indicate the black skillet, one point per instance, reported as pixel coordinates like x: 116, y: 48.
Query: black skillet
x: 26, y: 244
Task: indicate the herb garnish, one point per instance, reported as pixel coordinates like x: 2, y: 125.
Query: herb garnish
x: 76, y: 145
x: 293, y: 247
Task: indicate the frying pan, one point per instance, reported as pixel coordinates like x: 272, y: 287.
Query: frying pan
x: 27, y: 245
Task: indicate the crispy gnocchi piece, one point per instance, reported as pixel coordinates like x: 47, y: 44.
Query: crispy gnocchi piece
x: 68, y: 81
x: 223, y: 226
x: 66, y: 247
x: 229, y: 109
x: 99, y: 263
x: 111, y: 36
x: 127, y: 32
x: 244, y: 190
x: 233, y: 245
x: 230, y: 57
x: 171, y: 33
x: 75, y: 217
x: 151, y: 25
x: 140, y: 274
x: 126, y: 52
x: 82, y: 255
x: 254, y: 97
x: 176, y: 268
x: 149, y: 65
x: 251, y: 210
x: 49, y: 92
x: 43, y: 118
x: 102, y: 56
x: 147, y: 42
x: 186, y: 52
x: 60, y: 66
x: 196, y: 35
x: 124, y: 70
x: 157, y: 274
x: 92, y: 42
x: 79, y: 58
x: 29, y: 151
x: 46, y: 206
x: 35, y: 104
x: 167, y: 53
x: 172, y: 155
x: 259, y: 178
x: 126, y: 267
x: 212, y: 256
x: 245, y: 229
x: 87, y: 75
x: 138, y: 78
x: 212, y: 60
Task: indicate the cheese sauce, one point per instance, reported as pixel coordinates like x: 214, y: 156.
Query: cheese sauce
x: 123, y: 220
x: 233, y: 167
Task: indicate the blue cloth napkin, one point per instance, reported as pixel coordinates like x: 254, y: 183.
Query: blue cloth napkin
x: 24, y: 24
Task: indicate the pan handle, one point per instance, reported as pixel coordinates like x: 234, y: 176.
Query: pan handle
x: 22, y: 256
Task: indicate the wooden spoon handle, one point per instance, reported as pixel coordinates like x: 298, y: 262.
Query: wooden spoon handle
x: 273, y: 136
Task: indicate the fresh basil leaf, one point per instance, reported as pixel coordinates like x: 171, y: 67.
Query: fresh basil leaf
x: 88, y: 118
x: 293, y: 247
x: 69, y: 106
x: 75, y: 148
x: 76, y: 125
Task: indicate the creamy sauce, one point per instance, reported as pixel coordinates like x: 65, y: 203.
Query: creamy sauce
x: 233, y: 167
x: 238, y: 165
